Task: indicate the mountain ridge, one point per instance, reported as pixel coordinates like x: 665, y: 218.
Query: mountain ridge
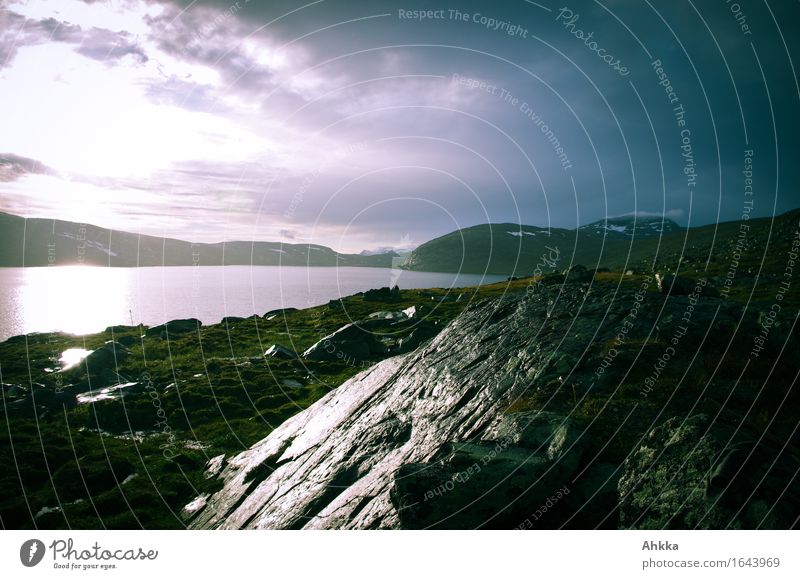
x: 38, y: 242
x: 625, y: 242
x: 616, y: 243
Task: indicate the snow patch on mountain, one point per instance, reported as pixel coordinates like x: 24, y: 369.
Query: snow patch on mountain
x: 89, y: 243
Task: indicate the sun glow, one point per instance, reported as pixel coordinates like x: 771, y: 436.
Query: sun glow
x: 100, y: 123
x: 95, y: 295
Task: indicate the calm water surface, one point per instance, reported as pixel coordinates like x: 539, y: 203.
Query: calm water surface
x: 83, y: 300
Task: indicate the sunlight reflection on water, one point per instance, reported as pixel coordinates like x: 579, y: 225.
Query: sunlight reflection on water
x: 75, y: 299
x: 72, y: 357
x: 83, y: 299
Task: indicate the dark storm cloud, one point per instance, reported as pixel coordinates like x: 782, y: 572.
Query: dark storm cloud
x: 713, y: 64
x: 500, y: 112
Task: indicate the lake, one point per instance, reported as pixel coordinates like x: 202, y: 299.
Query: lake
x: 84, y: 300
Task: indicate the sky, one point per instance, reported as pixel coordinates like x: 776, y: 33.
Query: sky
x: 364, y: 124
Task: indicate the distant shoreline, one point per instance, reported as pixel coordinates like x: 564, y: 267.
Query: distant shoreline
x: 94, y: 265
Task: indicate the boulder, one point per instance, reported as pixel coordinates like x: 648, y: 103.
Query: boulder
x: 383, y: 294
x: 106, y: 357
x: 272, y: 314
x: 99, y: 368
x: 175, y: 327
x: 348, y: 343
x: 278, y: 351
x: 214, y: 466
x: 578, y: 274
x: 683, y: 286
x: 120, y: 329
x: 289, y: 383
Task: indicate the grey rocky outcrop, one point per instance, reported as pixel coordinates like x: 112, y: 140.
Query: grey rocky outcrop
x: 448, y: 436
x: 342, y: 462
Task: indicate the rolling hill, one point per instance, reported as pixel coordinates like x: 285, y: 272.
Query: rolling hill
x: 513, y: 249
x: 41, y: 242
x: 619, y: 243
